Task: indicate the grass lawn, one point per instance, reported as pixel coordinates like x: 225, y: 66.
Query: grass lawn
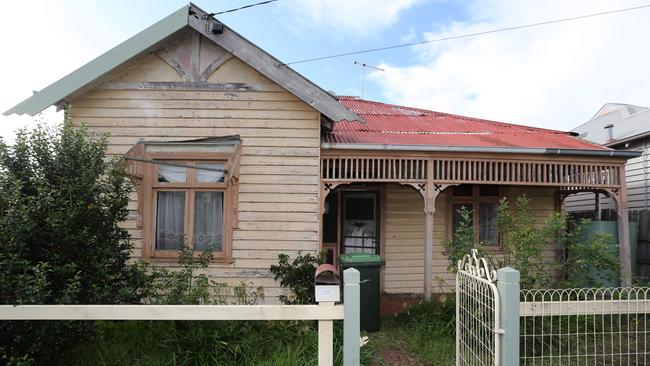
x: 205, y: 343
x: 422, y: 335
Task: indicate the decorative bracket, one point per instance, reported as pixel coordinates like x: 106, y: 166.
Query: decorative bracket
x: 564, y: 193
x: 326, y: 188
x: 420, y: 187
x: 441, y: 187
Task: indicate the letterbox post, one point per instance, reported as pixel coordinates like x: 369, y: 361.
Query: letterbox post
x: 327, y: 287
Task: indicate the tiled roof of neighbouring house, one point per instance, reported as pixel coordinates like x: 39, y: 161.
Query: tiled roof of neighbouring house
x: 398, y: 125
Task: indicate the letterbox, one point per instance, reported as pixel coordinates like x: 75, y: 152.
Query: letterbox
x: 327, y: 283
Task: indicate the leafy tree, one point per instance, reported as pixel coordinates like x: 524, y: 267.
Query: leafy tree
x: 60, y: 243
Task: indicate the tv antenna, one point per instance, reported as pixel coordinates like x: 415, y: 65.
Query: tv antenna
x: 363, y: 73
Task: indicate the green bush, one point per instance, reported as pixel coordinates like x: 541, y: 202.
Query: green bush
x: 523, y: 242
x: 188, y: 285
x: 297, y: 277
x: 462, y: 240
x: 60, y: 242
x: 586, y: 259
x: 589, y: 259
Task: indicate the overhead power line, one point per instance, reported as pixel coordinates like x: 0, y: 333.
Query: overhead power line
x: 466, y: 35
x: 243, y: 7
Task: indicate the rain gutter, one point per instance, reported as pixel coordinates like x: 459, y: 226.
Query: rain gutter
x: 481, y: 149
x: 627, y: 139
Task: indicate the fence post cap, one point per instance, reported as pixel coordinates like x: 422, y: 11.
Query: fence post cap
x: 351, y: 276
x: 508, y: 274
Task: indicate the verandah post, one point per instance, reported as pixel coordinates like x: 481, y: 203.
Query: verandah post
x: 351, y: 317
x: 508, y: 287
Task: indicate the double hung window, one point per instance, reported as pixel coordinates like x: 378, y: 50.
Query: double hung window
x: 482, y: 202
x: 189, y: 205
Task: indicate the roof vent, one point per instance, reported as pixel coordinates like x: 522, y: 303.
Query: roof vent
x: 217, y: 27
x: 610, y: 132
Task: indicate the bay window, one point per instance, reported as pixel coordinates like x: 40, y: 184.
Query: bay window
x: 188, y: 196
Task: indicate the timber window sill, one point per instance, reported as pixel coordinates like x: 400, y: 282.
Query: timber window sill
x: 174, y: 260
x: 488, y: 248
x: 492, y: 248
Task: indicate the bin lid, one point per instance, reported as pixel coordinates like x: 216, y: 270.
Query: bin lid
x: 352, y: 259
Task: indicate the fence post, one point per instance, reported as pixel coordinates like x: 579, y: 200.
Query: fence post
x: 508, y: 286
x: 351, y: 316
x: 325, y: 339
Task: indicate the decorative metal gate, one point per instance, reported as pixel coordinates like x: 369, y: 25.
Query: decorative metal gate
x: 477, y: 313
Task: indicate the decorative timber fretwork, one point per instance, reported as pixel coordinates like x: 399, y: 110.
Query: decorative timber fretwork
x: 193, y: 58
x: 374, y: 169
x: 472, y: 170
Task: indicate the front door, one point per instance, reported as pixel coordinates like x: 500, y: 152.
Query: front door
x: 360, y: 228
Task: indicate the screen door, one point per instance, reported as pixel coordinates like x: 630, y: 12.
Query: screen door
x: 360, y: 227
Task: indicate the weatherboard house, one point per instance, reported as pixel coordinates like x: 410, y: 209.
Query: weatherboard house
x: 234, y: 150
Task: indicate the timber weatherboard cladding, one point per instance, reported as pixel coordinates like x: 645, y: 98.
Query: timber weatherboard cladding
x: 404, y: 235
x: 279, y: 168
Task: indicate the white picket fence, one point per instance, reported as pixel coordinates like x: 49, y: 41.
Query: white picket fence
x: 325, y: 313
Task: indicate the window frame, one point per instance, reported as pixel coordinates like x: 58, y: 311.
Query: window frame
x: 475, y: 200
x: 150, y: 205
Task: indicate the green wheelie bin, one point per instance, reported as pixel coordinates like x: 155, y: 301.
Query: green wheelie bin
x: 369, y: 267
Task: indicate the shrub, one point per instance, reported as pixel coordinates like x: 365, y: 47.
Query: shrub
x: 523, y: 242
x: 60, y: 242
x: 589, y: 259
x: 462, y: 240
x: 187, y: 285
x: 297, y: 277
x: 586, y: 259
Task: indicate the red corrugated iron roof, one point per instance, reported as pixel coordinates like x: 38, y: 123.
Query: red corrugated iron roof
x: 398, y: 125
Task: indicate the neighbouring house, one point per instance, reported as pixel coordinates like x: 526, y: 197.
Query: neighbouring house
x: 238, y: 152
x: 621, y: 127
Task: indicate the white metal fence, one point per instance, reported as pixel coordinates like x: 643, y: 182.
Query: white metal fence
x: 497, y: 324
x: 597, y: 326
x: 477, y: 313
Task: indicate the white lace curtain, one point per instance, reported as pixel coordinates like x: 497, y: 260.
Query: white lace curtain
x: 170, y: 220
x: 208, y: 221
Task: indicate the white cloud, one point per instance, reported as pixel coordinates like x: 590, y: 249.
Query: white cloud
x: 553, y: 76
x: 409, y: 37
x: 37, y: 59
x: 354, y: 18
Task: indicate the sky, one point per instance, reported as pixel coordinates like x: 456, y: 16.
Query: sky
x: 555, y: 76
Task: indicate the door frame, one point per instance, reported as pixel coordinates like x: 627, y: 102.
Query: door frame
x: 377, y: 192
